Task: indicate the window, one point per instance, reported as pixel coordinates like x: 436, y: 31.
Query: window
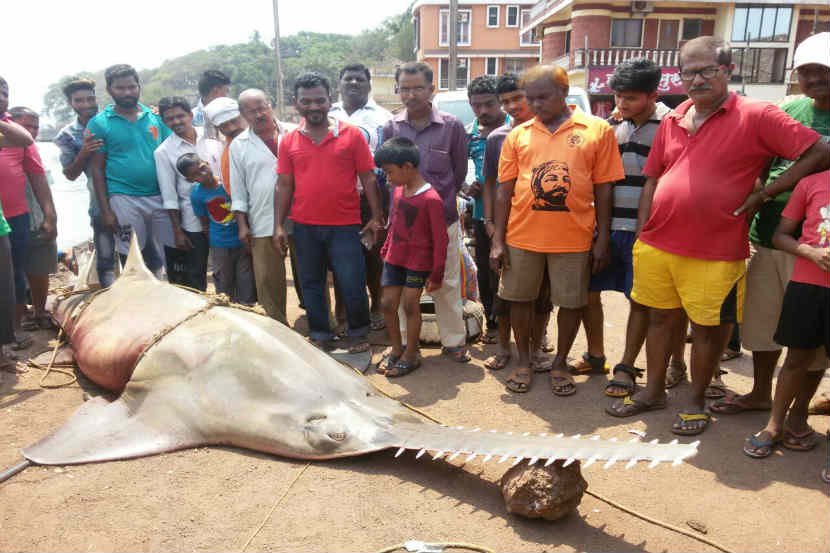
x: 691, y: 28
x: 567, y: 42
x: 759, y: 65
x: 493, y: 16
x: 491, y: 66
x: 462, y: 75
x: 417, y: 32
x: 514, y: 65
x: 626, y: 32
x: 527, y: 39
x: 464, y: 20
x: 761, y: 23
x: 512, y: 16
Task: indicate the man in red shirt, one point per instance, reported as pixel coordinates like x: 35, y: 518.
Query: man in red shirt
x: 316, y: 167
x: 692, y: 221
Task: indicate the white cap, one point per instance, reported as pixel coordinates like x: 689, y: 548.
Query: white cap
x: 814, y: 49
x: 221, y: 110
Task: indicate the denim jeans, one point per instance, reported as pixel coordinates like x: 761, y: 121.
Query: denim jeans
x: 104, y: 252
x: 324, y: 247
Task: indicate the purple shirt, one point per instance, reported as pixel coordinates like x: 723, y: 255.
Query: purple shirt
x: 443, y: 148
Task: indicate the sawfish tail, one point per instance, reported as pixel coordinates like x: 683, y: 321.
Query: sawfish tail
x: 475, y: 442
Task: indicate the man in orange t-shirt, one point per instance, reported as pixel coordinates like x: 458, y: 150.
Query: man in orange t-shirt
x: 555, y: 178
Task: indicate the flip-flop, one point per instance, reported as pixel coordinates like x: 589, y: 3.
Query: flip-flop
x: 592, y: 364
x: 630, y: 406
x: 567, y: 386
x: 677, y: 374
x: 799, y: 441
x: 457, y: 354
x: 629, y: 387
x: 489, y: 338
x: 729, y: 354
x: 717, y: 388
x: 732, y: 405
x: 387, y: 362
x: 497, y: 362
x: 759, y: 449
x: 541, y: 363
x: 517, y: 386
x: 360, y: 347
x: 403, y: 367
x: 691, y: 416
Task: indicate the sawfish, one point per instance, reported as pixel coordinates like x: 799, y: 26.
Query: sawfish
x: 190, y: 371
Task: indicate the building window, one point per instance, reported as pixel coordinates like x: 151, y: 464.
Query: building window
x: 761, y: 23
x: 491, y: 66
x: 759, y: 65
x: 515, y: 66
x: 527, y: 38
x: 462, y: 75
x: 691, y: 28
x: 567, y: 42
x: 512, y: 16
x: 493, y: 16
x: 464, y: 31
x: 627, y: 33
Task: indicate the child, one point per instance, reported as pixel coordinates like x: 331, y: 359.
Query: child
x: 804, y: 325
x: 233, y: 268
x: 413, y: 254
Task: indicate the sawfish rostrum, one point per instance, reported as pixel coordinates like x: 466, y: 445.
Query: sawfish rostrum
x: 193, y: 372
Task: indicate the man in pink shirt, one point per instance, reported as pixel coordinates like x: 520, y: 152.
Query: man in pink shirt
x: 692, y: 221
x: 16, y: 164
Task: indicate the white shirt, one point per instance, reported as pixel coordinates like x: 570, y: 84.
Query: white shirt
x: 175, y: 189
x: 253, y: 174
x: 370, y: 119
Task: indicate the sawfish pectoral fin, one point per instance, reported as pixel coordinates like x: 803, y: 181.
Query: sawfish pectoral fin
x: 125, y: 428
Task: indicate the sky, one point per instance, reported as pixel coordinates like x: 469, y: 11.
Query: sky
x: 88, y: 35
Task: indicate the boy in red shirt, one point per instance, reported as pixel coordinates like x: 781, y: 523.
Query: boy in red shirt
x: 804, y: 325
x: 414, y: 251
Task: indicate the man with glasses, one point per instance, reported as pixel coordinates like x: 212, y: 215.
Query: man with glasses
x: 693, y: 217
x: 442, y: 142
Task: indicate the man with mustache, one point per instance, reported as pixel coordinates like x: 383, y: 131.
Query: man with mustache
x: 77, y: 148
x: 318, y: 167
x: 124, y: 169
x: 770, y: 269
x: 692, y: 222
x: 191, y: 244
x: 253, y: 172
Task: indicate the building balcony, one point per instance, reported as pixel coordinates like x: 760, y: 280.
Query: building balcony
x: 611, y: 57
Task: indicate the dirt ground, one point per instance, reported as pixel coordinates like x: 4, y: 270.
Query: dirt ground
x: 214, y: 499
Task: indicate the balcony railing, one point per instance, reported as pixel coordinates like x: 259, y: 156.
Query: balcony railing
x: 604, y: 57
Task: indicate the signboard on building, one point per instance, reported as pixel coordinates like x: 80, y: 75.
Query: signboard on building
x: 598, y: 81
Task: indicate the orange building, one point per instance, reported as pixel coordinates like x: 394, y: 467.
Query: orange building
x: 490, y: 41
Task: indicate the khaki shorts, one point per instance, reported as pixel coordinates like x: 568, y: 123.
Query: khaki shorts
x: 569, y: 275
x: 767, y: 275
x: 711, y: 292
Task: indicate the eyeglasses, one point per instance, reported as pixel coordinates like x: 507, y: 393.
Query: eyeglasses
x: 706, y: 73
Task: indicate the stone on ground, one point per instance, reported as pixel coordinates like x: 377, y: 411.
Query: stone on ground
x: 537, y: 491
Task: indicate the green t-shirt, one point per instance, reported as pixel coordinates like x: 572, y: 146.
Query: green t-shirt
x: 4, y: 225
x: 766, y: 220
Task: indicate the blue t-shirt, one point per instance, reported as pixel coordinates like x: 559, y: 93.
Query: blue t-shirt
x: 216, y: 206
x: 131, y: 168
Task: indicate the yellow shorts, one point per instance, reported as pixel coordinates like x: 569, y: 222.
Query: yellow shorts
x: 711, y: 292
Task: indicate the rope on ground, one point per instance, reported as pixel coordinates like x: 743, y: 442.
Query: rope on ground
x: 445, y: 545
x: 665, y: 525
x: 274, y: 507
x: 31, y: 363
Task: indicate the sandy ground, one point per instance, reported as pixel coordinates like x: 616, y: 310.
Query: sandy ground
x: 214, y: 499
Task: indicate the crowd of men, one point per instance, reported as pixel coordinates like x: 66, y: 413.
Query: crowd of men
x: 566, y: 205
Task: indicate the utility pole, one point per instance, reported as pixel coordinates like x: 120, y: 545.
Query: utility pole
x: 452, y: 62
x: 279, y: 58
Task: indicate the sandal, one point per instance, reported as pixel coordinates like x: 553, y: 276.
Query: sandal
x: 729, y: 354
x: 457, y: 354
x: 541, y: 363
x: 631, y: 405
x: 489, y: 337
x: 519, y: 382
x: 690, y: 416
x: 359, y: 347
x: 402, y: 367
x: 387, y: 362
x: 629, y: 386
x: 590, y: 364
x: 716, y: 389
x: 733, y: 404
x: 757, y: 448
x: 676, y: 374
x: 800, y: 441
x: 562, y: 385
x: 497, y: 362
x: 21, y: 342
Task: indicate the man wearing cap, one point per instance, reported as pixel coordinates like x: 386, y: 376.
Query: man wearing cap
x: 223, y: 113
x: 693, y: 219
x: 769, y: 269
